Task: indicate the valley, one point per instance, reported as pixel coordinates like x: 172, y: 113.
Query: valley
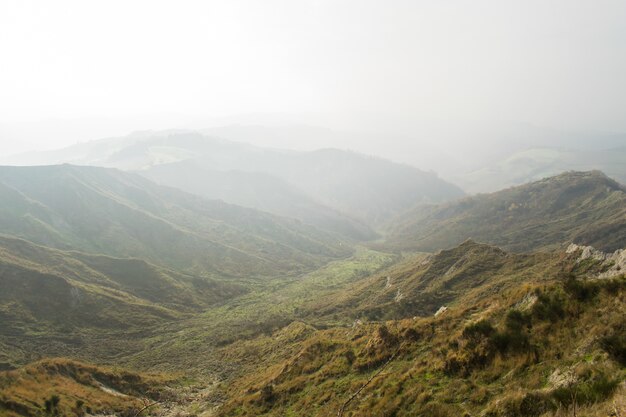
x: 122, y: 296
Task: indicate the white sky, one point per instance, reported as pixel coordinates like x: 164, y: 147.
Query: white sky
x: 557, y: 63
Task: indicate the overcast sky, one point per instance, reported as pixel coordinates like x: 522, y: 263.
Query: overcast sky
x: 140, y: 64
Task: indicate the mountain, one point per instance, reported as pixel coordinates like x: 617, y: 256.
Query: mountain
x: 584, y: 207
x: 537, y: 163
x: 51, y: 300
x: 106, y: 211
x: 367, y: 188
x: 519, y: 334
x: 421, y: 284
x: 370, y: 189
x: 259, y: 191
x: 539, y: 345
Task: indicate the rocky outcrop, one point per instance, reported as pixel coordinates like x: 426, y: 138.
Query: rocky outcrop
x: 614, y: 262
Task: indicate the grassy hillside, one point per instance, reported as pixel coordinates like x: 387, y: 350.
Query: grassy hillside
x: 259, y: 191
x: 107, y: 211
x: 67, y: 388
x: 52, y: 301
x: 419, y: 285
x: 522, y: 335
x: 547, y: 341
x: 584, y: 207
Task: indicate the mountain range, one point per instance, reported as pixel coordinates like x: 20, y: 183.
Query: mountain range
x: 213, y: 278
x: 365, y: 188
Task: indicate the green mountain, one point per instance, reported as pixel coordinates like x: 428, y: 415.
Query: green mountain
x: 584, y: 207
x: 107, y: 211
x: 52, y: 297
x: 259, y: 191
x: 363, y: 187
x: 330, y: 328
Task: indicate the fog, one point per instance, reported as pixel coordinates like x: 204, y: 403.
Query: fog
x: 420, y: 82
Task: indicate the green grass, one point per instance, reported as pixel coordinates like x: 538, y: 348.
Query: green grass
x: 585, y: 207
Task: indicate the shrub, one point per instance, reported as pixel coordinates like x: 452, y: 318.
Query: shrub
x: 52, y: 404
x: 582, y: 291
x: 477, y: 331
x: 533, y: 405
x: 267, y: 394
x: 615, y: 346
x: 516, y: 321
x: 549, y: 307
x: 593, y: 389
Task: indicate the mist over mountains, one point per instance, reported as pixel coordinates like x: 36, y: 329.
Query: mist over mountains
x: 312, y: 208
x: 255, y: 271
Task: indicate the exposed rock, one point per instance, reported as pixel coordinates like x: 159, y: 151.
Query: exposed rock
x: 527, y: 302
x: 388, y: 283
x: 441, y: 310
x: 615, y: 262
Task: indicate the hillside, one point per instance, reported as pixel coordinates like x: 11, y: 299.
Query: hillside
x: 364, y: 187
x: 545, y: 341
x: 51, y: 301
x: 521, y: 335
x: 419, y: 285
x: 107, y: 211
x: 65, y: 387
x: 259, y: 191
x: 584, y: 207
x: 537, y: 163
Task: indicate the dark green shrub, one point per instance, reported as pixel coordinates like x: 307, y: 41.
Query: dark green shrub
x: 52, y: 404
x: 516, y: 320
x: 533, y: 405
x: 479, y: 330
x: 594, y: 389
x: 615, y: 346
x: 267, y: 394
x: 582, y: 291
x: 549, y: 307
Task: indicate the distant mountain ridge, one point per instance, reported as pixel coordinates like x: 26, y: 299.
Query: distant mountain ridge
x: 584, y: 207
x: 536, y: 163
x: 367, y: 188
x: 107, y: 211
x: 257, y: 190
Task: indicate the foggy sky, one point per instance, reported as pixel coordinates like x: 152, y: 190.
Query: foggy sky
x: 127, y: 65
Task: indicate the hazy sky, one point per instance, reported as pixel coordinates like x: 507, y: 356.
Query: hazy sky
x: 555, y: 63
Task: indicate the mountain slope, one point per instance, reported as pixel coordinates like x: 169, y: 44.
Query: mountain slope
x: 534, y: 164
x: 368, y: 188
x: 256, y: 190
x: 541, y: 342
x: 107, y: 211
x: 583, y: 207
x: 65, y: 387
x: 421, y: 284
x: 51, y: 299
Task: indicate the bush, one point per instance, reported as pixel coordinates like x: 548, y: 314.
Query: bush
x: 615, y: 346
x: 477, y: 331
x: 549, y: 307
x: 582, y: 291
x: 516, y: 321
x: 595, y: 388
